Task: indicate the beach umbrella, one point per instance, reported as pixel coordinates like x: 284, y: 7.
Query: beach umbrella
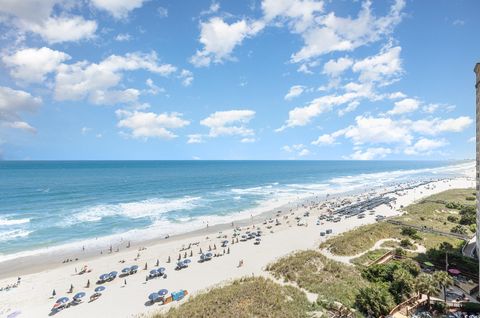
x: 99, y: 289
x: 454, y: 271
x: 186, y: 261
x: 258, y: 239
x: 208, y: 255
x: 113, y: 274
x: 79, y: 295
x: 153, y: 272
x: 62, y: 300
x: 161, y: 269
x: 104, y: 276
x: 126, y: 270
x: 225, y: 242
x: 134, y: 268
x: 162, y: 292
x: 153, y: 296
x: 202, y: 257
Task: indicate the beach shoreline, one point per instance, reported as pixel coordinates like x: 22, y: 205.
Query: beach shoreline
x: 38, y: 280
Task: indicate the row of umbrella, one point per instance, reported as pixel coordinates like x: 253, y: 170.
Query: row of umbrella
x: 130, y: 270
x: 157, y: 271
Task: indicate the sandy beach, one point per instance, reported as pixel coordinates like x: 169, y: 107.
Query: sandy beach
x: 33, y: 296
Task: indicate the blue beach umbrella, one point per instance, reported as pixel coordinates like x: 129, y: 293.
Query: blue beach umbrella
x: 208, y: 255
x: 126, y: 270
x: 134, y: 268
x: 62, y: 300
x: 153, y: 296
x: 104, y: 276
x: 99, y: 289
x: 79, y: 295
x: 161, y: 269
x: 113, y: 274
x: 162, y: 292
x: 258, y: 239
x: 186, y: 261
x: 153, y: 272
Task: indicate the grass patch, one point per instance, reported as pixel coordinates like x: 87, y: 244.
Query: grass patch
x: 361, y: 238
x: 369, y: 257
x: 249, y: 297
x: 331, y: 280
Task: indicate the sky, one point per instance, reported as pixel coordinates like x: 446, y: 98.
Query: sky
x: 236, y: 80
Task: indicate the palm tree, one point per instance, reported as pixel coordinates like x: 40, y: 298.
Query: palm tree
x: 427, y: 285
x: 444, y: 280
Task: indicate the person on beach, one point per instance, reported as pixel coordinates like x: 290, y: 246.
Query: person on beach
x: 125, y: 282
x: 88, y: 284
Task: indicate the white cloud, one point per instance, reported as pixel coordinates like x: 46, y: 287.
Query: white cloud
x: 152, y: 88
x: 336, y: 67
x: 350, y: 108
x: 300, y: 14
x: 396, y: 95
x: 436, y: 126
x: 118, y: 8
x: 37, y: 16
x: 384, y: 67
x: 219, y: 39
x: 377, y: 130
x: 123, y: 37
x: 150, y: 125
x: 294, y: 91
x: 371, y: 153
x: 162, y: 12
x: 404, y: 106
x: 214, y: 7
x: 247, y: 140
x: 301, y: 116
x: 83, y: 79
x: 32, y: 64
x: 64, y: 29
x: 227, y: 123
x: 328, y: 139
x: 424, y: 146
x: 195, y: 139
x: 331, y: 33
x: 187, y: 77
x: 13, y: 103
x: 472, y: 139
x: 85, y: 130
x: 299, y: 150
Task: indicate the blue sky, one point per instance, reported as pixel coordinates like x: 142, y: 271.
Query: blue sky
x: 265, y: 79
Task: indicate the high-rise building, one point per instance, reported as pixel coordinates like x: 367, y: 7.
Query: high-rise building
x: 477, y: 87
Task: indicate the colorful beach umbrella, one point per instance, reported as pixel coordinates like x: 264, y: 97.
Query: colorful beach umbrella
x: 99, y: 289
x: 104, y: 276
x: 79, y: 295
x: 62, y: 300
x: 162, y: 292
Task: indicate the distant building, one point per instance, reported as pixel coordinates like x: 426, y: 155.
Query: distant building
x: 477, y: 87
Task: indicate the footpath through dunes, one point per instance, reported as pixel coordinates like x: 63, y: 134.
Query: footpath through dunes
x: 33, y: 297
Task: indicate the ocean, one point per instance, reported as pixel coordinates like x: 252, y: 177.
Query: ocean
x: 46, y: 204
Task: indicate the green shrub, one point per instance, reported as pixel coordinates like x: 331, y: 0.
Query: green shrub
x: 458, y: 229
x: 452, y: 218
x: 375, y: 301
x: 405, y: 243
x: 453, y: 205
x: 470, y: 198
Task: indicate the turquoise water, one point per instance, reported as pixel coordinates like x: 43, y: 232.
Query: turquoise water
x: 44, y: 204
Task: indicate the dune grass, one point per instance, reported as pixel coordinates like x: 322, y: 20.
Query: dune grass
x: 432, y: 211
x: 361, y: 238
x: 331, y: 280
x: 249, y: 297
